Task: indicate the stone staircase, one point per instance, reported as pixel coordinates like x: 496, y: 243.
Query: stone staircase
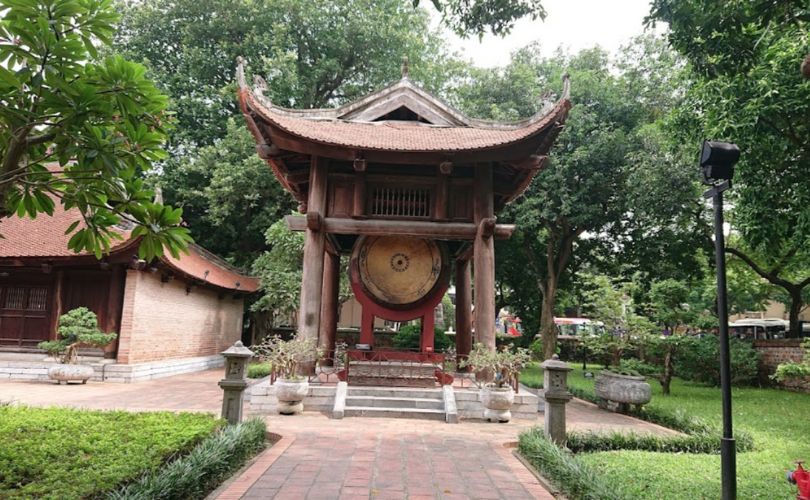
x: 395, y: 402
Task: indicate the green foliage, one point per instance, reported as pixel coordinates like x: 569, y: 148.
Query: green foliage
x: 776, y: 420
x: 477, y: 17
x: 699, y: 361
x: 574, y: 478
x: 287, y: 357
x: 409, y: 336
x: 504, y: 364
x: 100, y: 120
x: 588, y: 442
x: 259, y: 370
x: 65, y: 453
x: 786, y: 371
x: 200, y: 471
x: 280, y: 270
x: 640, y: 367
x: 76, y: 328
x: 747, y: 88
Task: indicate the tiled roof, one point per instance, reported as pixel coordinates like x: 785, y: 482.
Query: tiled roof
x: 403, y: 136
x: 44, y: 237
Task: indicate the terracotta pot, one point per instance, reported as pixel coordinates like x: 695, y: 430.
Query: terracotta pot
x: 291, y: 394
x: 622, y: 389
x: 497, y: 403
x: 70, y: 373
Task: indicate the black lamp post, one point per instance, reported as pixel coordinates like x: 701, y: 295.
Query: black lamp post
x: 717, y: 160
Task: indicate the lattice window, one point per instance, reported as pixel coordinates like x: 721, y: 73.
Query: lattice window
x: 37, y: 299
x: 15, y: 298
x: 401, y: 202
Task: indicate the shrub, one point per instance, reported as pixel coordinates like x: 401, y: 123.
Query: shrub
x: 288, y: 356
x: 786, y: 371
x: 574, y: 478
x: 77, y: 328
x: 68, y: 453
x: 199, y: 472
x: 258, y: 370
x: 699, y: 361
x: 505, y: 364
x: 702, y: 442
x: 409, y: 336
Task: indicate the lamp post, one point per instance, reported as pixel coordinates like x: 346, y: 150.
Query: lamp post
x: 717, y: 159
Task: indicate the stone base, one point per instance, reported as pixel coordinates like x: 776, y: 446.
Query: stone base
x: 107, y: 370
x: 468, y: 402
x: 263, y: 400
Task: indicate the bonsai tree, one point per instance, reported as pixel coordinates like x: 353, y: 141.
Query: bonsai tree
x: 505, y: 363
x: 76, y: 328
x: 289, y: 357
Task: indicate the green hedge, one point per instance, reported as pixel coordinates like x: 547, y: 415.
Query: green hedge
x: 203, y: 469
x: 571, y: 476
x: 258, y: 370
x: 69, y: 453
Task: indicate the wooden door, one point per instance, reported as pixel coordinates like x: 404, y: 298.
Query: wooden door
x: 25, y: 315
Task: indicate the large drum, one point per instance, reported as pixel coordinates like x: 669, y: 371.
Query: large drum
x: 399, y: 272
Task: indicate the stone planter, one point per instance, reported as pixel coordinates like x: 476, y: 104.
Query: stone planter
x: 70, y: 373
x: 291, y: 394
x: 497, y: 403
x: 798, y: 384
x: 624, y: 390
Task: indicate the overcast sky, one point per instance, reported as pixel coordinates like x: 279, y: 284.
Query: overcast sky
x: 575, y: 24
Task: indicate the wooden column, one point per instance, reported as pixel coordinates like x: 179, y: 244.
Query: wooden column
x: 359, y: 199
x: 309, y: 313
x: 463, y: 309
x: 484, y: 257
x: 367, y: 328
x: 442, y: 190
x: 427, y: 338
x: 329, y: 304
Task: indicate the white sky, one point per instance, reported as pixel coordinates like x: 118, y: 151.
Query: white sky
x: 574, y: 24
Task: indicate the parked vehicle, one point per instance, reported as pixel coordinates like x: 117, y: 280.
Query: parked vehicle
x: 578, y: 327
x: 759, y: 329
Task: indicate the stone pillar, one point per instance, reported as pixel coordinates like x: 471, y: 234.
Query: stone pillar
x: 235, y: 381
x: 463, y: 309
x: 556, y: 394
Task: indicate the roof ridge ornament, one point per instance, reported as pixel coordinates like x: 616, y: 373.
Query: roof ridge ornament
x: 566, y: 78
x: 405, y: 68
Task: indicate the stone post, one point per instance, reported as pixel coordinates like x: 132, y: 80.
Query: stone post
x: 235, y: 381
x: 556, y: 395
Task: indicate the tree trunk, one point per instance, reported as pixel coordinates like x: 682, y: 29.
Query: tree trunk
x: 548, y: 329
x: 795, y: 331
x: 666, y: 377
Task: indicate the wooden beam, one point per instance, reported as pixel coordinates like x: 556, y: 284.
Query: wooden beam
x: 416, y: 229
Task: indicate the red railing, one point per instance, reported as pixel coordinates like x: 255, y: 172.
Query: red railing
x: 410, y: 363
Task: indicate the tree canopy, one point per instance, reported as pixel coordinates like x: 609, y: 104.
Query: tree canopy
x: 79, y: 130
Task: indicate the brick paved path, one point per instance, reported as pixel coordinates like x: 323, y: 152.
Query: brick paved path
x: 390, y: 459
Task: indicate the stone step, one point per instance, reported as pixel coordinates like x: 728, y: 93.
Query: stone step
x: 418, y: 413
x: 394, y: 392
x: 394, y: 402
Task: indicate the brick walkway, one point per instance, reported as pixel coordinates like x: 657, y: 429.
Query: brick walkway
x: 351, y: 458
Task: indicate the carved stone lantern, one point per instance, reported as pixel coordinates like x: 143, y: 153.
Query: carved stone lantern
x: 555, y: 385
x: 235, y: 381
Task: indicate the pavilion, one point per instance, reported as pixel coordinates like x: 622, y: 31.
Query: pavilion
x: 410, y: 188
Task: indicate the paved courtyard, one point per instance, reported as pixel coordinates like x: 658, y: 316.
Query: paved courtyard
x: 318, y: 457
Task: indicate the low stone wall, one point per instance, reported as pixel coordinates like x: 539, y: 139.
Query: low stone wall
x: 773, y: 353
x: 468, y: 402
x: 106, y: 370
x: 262, y: 398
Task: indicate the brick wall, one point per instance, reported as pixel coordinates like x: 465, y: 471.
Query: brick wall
x: 774, y: 352
x: 160, y: 321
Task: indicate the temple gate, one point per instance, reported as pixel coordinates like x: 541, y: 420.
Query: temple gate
x: 409, y: 187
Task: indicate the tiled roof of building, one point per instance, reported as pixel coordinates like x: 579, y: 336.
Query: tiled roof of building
x: 44, y: 237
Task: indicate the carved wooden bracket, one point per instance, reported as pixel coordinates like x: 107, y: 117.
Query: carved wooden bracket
x: 446, y: 167
x: 267, y: 151
x: 486, y: 228
x: 314, y: 221
x: 359, y: 165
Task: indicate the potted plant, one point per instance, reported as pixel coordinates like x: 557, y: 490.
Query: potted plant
x: 496, y: 371
x: 76, y: 328
x: 290, y: 359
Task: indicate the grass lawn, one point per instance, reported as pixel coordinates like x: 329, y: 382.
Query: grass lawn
x: 778, y: 420
x: 66, y: 453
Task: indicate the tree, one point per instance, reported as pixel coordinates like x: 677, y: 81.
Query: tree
x: 498, y: 16
x: 747, y: 88
x: 101, y: 121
